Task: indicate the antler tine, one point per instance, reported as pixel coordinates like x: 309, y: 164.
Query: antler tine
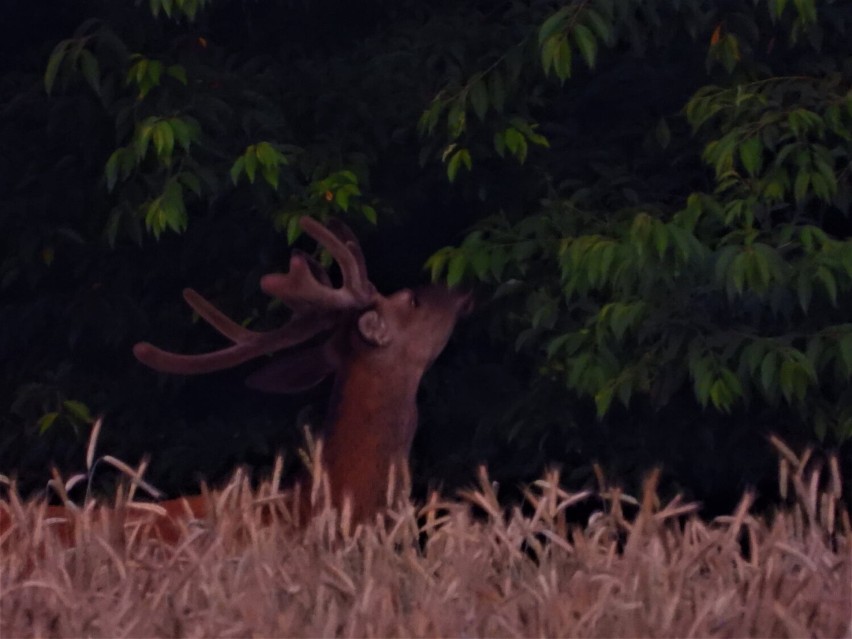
x: 306, y: 289
x: 216, y: 318
x: 346, y: 234
x: 249, y: 344
x: 304, y: 293
x: 316, y: 268
x: 341, y: 242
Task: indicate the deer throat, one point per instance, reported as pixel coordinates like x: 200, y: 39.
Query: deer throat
x: 369, y: 433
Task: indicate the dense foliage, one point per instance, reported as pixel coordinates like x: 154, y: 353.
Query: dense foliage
x: 654, y: 196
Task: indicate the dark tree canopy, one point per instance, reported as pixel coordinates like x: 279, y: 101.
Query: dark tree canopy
x: 651, y: 198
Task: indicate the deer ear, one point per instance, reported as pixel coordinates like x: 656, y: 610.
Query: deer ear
x: 293, y: 372
x: 374, y: 329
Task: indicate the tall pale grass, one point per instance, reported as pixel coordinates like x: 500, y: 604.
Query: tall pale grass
x: 445, y: 568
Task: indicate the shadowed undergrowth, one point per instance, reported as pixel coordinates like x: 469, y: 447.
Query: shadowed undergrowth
x: 450, y: 568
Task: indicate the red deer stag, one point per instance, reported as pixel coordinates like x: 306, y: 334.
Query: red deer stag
x: 377, y: 347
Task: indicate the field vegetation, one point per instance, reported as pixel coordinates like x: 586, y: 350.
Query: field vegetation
x: 460, y: 567
x: 650, y: 199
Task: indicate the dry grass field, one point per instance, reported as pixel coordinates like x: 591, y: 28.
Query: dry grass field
x: 450, y: 568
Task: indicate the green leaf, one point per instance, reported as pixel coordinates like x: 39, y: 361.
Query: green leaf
x: 758, y: 270
x: 437, y: 261
x: 481, y: 263
x: 777, y: 7
x: 184, y: 133
x: 190, y: 8
x: 155, y: 70
x: 562, y: 61
x: 177, y: 72
x: 370, y: 213
x: 556, y: 54
x: 552, y: 24
x: 142, y: 137
x: 752, y: 355
x: 429, y: 119
x: 479, y: 98
x: 342, y: 195
x: 827, y: 278
x: 78, y: 409
x: 111, y: 169
x: 556, y: 344
x: 789, y: 379
x: 237, y: 169
x: 620, y: 319
x: 500, y: 143
x: 661, y: 239
x: 528, y: 131
x: 173, y: 209
x: 250, y: 163
x: 703, y: 382
x: 46, y: 421
x: 164, y: 140
x: 455, y: 269
x: 266, y: 154
x: 800, y: 187
x: 806, y: 10
x: 751, y: 155
x: 462, y: 156
x: 270, y: 174
x: 625, y: 391
x: 53, y: 64
x: 137, y: 71
x: 346, y: 177
x: 599, y: 25
x: 91, y: 70
x: 603, y: 400
x: 769, y: 371
x: 516, y: 143
x: 725, y: 390
x: 774, y: 187
x: 456, y: 120
x: 737, y: 274
x: 821, y: 187
x: 192, y: 182
x: 587, y: 44
x: 154, y: 219
x: 293, y: 229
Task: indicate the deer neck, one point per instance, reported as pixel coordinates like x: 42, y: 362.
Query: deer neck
x: 369, y: 430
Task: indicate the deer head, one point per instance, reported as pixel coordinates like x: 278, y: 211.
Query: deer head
x: 376, y: 346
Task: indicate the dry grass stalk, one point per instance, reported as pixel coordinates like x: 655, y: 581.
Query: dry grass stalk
x: 436, y: 571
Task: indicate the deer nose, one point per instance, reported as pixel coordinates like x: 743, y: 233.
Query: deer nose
x: 404, y: 297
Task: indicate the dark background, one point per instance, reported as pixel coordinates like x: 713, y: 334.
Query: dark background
x: 344, y: 84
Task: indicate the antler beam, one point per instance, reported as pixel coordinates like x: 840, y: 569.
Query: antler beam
x: 306, y: 289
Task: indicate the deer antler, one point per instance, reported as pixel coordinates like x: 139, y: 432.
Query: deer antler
x: 301, y: 291
x: 306, y: 289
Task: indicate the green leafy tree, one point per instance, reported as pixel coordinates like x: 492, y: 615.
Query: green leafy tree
x: 737, y: 289
x: 654, y: 194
